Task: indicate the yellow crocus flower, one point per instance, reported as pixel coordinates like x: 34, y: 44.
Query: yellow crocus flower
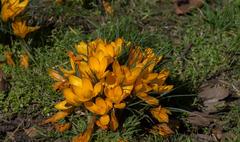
x: 98, y: 64
x: 71, y: 97
x: 163, y: 129
x: 103, y: 121
x: 11, y: 8
x: 83, y: 88
x: 24, y: 60
x: 8, y: 56
x: 83, y: 50
x: 107, y: 7
x: 100, y: 106
x: 85, y: 71
x: 148, y: 99
x: 161, y: 114
x: 61, y: 81
x: 21, y: 29
x: 115, y: 95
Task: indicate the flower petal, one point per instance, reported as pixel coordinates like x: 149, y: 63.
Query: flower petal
x: 120, y: 106
x: 62, y: 105
x: 114, y: 122
x: 74, y: 80
x: 70, y: 97
x: 148, y: 99
x: 62, y: 127
x: 59, y: 115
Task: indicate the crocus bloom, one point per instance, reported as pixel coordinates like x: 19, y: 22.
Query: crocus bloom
x: 83, y: 88
x: 107, y: 7
x: 21, y: 29
x: 24, y: 60
x: 100, y: 106
x: 163, y: 129
x: 161, y: 114
x: 61, y: 81
x: 103, y: 121
x: 8, y: 56
x: 98, y: 64
x: 62, y: 127
x: 11, y: 8
x: 86, y: 136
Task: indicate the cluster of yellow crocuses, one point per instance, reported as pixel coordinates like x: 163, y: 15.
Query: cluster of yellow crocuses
x: 100, y: 83
x: 11, y: 9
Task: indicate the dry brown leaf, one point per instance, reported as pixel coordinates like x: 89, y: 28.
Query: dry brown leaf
x: 212, y: 97
x: 200, y: 119
x: 31, y: 132
x: 204, y: 138
x: 185, y: 6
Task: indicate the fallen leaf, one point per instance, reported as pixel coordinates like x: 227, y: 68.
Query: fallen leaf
x: 213, y: 97
x: 31, y: 132
x: 185, y: 6
x: 217, y: 133
x: 204, y: 138
x: 200, y: 119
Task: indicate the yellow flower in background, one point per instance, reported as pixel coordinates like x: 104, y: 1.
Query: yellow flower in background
x: 161, y: 114
x: 8, y: 56
x: 107, y: 7
x: 24, y: 60
x: 21, y: 29
x: 12, y: 8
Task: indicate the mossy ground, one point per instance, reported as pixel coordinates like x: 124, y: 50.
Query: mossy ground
x: 197, y: 47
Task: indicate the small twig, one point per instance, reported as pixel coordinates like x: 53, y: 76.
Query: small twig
x: 12, y: 134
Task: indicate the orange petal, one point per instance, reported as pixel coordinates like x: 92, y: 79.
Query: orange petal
x: 59, y: 115
x: 62, y: 105
x: 120, y: 106
x: 161, y: 114
x: 85, y: 137
x: 163, y: 129
x: 62, y: 127
x: 24, y: 61
x: 148, y: 99
x: 70, y: 97
x: 164, y: 89
x: 74, y: 80
x: 55, y: 75
x: 114, y: 122
x: 8, y: 56
x: 105, y: 119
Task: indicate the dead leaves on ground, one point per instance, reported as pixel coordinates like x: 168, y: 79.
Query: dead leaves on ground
x: 216, y: 97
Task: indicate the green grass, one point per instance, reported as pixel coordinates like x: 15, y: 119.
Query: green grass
x: 197, y: 47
